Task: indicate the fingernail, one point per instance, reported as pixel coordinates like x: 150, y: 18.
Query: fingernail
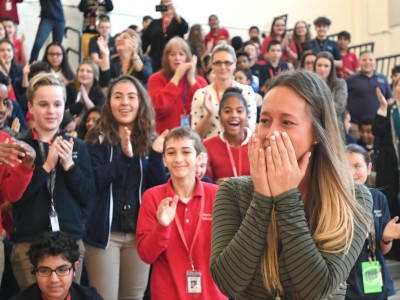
x: 284, y: 134
x: 276, y: 133
x: 272, y: 138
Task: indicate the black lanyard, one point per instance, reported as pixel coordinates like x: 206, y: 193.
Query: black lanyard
x: 51, y: 181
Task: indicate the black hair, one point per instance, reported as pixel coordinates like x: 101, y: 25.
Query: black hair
x: 65, y: 67
x: 273, y: 43
x: 38, y: 67
x: 81, y: 130
x: 254, y: 27
x: 366, y: 120
x: 242, y: 53
x: 133, y: 27
x: 303, y: 58
x: 237, y: 43
x: 345, y: 34
x: 395, y: 69
x: 322, y: 21
x: 354, y: 148
x: 7, y: 18
x: 147, y: 17
x: 67, y: 118
x: 53, y: 244
x: 232, y: 92
x: 246, y: 72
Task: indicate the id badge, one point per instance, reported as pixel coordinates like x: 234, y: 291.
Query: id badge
x: 55, y: 226
x: 8, y: 5
x: 372, y: 277
x: 193, y: 282
x: 185, y: 120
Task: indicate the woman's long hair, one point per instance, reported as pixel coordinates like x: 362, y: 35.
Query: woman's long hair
x: 331, y: 207
x: 196, y: 39
x: 296, y: 37
x: 143, y: 131
x: 65, y: 67
x: 174, y: 42
x: 272, y: 31
x: 95, y: 70
x: 331, y: 80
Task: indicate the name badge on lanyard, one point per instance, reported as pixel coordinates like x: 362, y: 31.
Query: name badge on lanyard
x: 8, y: 6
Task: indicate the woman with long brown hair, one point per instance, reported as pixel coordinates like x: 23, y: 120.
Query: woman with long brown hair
x: 126, y: 159
x: 295, y: 228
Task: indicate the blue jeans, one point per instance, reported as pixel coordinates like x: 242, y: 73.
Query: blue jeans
x: 45, y: 27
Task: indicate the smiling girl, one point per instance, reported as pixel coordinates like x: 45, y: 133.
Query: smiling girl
x: 227, y: 152
x: 126, y: 160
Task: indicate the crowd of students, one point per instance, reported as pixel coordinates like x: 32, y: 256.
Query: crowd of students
x: 161, y: 151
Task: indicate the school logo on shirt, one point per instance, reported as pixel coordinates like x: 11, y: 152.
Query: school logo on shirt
x: 75, y: 155
x: 377, y: 213
x: 207, y: 217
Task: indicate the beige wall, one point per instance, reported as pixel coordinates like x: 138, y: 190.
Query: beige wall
x: 367, y: 20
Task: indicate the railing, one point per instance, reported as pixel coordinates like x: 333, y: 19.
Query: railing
x: 385, y: 64
x: 69, y: 49
x: 357, y: 49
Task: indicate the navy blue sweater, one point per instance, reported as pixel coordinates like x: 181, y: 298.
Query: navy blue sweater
x: 52, y: 9
x: 71, y: 193
x: 129, y: 177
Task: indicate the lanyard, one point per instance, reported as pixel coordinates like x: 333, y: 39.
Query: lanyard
x: 233, y: 165
x: 272, y: 73
x: 183, y: 94
x: 217, y: 90
x: 196, y: 233
x: 371, y: 241
x: 165, y: 24
x: 51, y: 181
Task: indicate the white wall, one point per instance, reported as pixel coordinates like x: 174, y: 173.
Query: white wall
x: 367, y: 20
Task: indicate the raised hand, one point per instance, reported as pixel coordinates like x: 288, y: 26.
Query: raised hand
x: 258, y: 166
x: 166, y: 210
x: 283, y: 169
x: 126, y: 144
x: 382, y: 99
x: 158, y: 144
x: 16, y: 125
x: 103, y: 46
x: 64, y: 151
x: 191, y: 73
x: 392, y: 230
x: 207, y: 103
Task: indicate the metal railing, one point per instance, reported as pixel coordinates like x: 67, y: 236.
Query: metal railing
x: 69, y: 49
x: 357, y: 49
x: 384, y: 64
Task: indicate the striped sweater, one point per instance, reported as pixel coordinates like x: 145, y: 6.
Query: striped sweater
x: 239, y: 232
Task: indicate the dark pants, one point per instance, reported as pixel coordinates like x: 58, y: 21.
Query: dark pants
x: 45, y: 27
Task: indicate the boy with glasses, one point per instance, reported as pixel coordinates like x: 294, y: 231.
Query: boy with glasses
x: 54, y: 258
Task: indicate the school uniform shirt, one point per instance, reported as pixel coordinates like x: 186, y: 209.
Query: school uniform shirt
x: 355, y: 287
x: 219, y: 159
x: 72, y: 190
x: 13, y: 180
x: 216, y: 128
x: 76, y: 292
x: 170, y: 101
x: 163, y: 247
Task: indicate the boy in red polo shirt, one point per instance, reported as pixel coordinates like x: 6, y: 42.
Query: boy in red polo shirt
x: 174, y: 224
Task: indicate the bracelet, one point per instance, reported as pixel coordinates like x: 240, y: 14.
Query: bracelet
x: 386, y: 242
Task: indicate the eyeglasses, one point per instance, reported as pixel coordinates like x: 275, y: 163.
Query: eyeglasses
x: 54, y: 53
x: 60, y: 271
x: 219, y: 63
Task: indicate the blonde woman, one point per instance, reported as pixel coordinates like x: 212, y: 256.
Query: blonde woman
x: 295, y: 228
